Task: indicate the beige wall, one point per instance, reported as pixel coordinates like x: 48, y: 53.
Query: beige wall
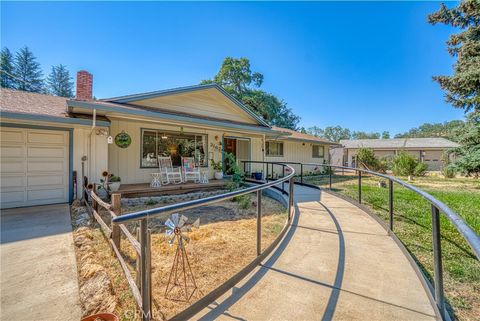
x: 298, y: 152
x: 205, y: 103
x: 125, y: 162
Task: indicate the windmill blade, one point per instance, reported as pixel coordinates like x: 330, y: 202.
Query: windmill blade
x: 196, y: 224
x: 170, y: 224
x: 183, y: 220
x: 172, y: 239
x: 169, y: 232
x: 186, y: 228
x: 175, y: 218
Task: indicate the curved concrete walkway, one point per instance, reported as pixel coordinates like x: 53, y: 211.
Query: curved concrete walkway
x: 335, y: 263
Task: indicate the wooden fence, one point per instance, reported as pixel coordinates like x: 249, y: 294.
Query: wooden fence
x: 113, y: 233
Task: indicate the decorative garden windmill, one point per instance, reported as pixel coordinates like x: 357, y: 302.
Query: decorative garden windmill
x: 182, y: 278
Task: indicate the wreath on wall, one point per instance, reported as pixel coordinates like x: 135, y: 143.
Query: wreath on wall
x: 123, y: 140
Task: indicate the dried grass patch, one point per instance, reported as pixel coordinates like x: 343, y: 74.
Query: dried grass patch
x: 224, y: 243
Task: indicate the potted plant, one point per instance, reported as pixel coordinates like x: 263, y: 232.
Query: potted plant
x: 258, y: 175
x: 114, y: 183
x: 110, y: 182
x: 218, y: 168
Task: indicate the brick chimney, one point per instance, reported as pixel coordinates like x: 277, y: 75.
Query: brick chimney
x: 84, y: 85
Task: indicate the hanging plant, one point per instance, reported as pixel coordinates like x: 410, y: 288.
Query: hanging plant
x: 123, y: 140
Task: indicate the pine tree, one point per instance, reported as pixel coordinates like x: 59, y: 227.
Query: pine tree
x: 28, y: 72
x: 59, y: 82
x: 7, y: 69
x: 462, y: 89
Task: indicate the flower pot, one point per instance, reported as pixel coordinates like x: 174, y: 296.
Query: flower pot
x: 258, y: 176
x: 101, y: 316
x: 218, y: 175
x: 114, y: 186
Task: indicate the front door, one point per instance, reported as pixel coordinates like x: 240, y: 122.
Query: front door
x: 230, y: 146
x: 240, y: 148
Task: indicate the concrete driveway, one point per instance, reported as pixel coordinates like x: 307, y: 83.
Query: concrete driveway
x: 38, y: 265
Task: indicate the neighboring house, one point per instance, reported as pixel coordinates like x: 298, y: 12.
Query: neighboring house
x: 427, y: 150
x: 49, y: 143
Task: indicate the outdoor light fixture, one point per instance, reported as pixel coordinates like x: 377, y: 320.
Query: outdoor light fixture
x: 164, y: 136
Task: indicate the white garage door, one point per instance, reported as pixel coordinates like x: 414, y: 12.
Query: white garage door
x: 34, y: 167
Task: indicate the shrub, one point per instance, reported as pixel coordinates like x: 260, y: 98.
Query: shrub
x: 404, y: 164
x: 420, y: 169
x: 366, y: 157
x: 233, y: 169
x: 448, y: 172
x: 244, y: 201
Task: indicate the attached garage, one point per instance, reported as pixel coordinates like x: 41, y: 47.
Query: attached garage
x: 35, y: 166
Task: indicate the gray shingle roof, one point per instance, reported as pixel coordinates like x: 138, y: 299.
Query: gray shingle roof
x: 399, y: 143
x: 17, y: 101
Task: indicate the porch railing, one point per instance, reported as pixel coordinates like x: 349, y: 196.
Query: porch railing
x: 435, y: 290
x: 142, y: 293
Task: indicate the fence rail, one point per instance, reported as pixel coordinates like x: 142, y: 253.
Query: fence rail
x: 437, y: 207
x: 113, y: 233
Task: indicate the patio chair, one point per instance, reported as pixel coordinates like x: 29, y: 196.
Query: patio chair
x: 168, y: 173
x: 190, y: 170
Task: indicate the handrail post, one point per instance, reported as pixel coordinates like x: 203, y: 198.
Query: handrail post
x: 117, y: 209
x: 301, y: 173
x: 290, y: 198
x: 360, y: 187
x: 266, y: 176
x: 330, y: 178
x: 259, y: 222
x: 283, y: 175
x: 144, y: 270
x: 390, y: 203
x: 437, y: 258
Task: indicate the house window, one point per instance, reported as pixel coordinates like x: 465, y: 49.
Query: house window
x: 274, y: 148
x: 161, y: 143
x: 318, y: 151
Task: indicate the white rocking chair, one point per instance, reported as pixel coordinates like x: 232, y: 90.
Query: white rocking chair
x: 168, y: 173
x: 190, y: 170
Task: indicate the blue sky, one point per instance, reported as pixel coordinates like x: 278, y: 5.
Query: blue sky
x: 363, y: 65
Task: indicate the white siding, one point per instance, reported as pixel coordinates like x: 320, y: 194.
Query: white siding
x: 299, y: 152
x: 125, y: 162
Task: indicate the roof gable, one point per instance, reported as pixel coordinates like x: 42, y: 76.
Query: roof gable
x: 202, y: 100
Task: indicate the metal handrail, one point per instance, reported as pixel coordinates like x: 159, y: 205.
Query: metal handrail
x: 462, y: 227
x: 144, y: 268
x: 467, y: 232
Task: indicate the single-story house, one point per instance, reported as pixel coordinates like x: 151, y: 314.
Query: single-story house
x: 49, y: 143
x: 427, y: 150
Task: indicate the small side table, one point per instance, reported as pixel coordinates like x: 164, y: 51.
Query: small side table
x: 155, y: 180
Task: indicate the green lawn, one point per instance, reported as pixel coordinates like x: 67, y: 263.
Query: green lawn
x: 413, y: 226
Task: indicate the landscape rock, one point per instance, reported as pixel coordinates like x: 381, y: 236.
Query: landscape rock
x: 96, y: 294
